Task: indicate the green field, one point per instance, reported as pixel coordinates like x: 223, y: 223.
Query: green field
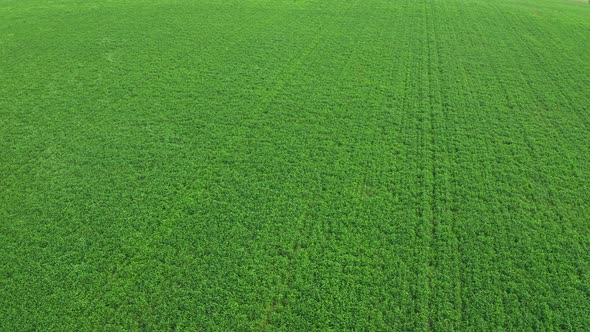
x: 294, y: 165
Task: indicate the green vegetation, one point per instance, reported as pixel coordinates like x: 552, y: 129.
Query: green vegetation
x: 294, y: 165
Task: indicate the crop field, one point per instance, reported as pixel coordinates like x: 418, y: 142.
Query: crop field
x: 294, y: 165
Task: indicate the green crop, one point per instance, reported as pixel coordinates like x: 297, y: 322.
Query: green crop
x: 294, y: 165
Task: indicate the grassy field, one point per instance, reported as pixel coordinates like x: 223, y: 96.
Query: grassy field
x: 294, y: 165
